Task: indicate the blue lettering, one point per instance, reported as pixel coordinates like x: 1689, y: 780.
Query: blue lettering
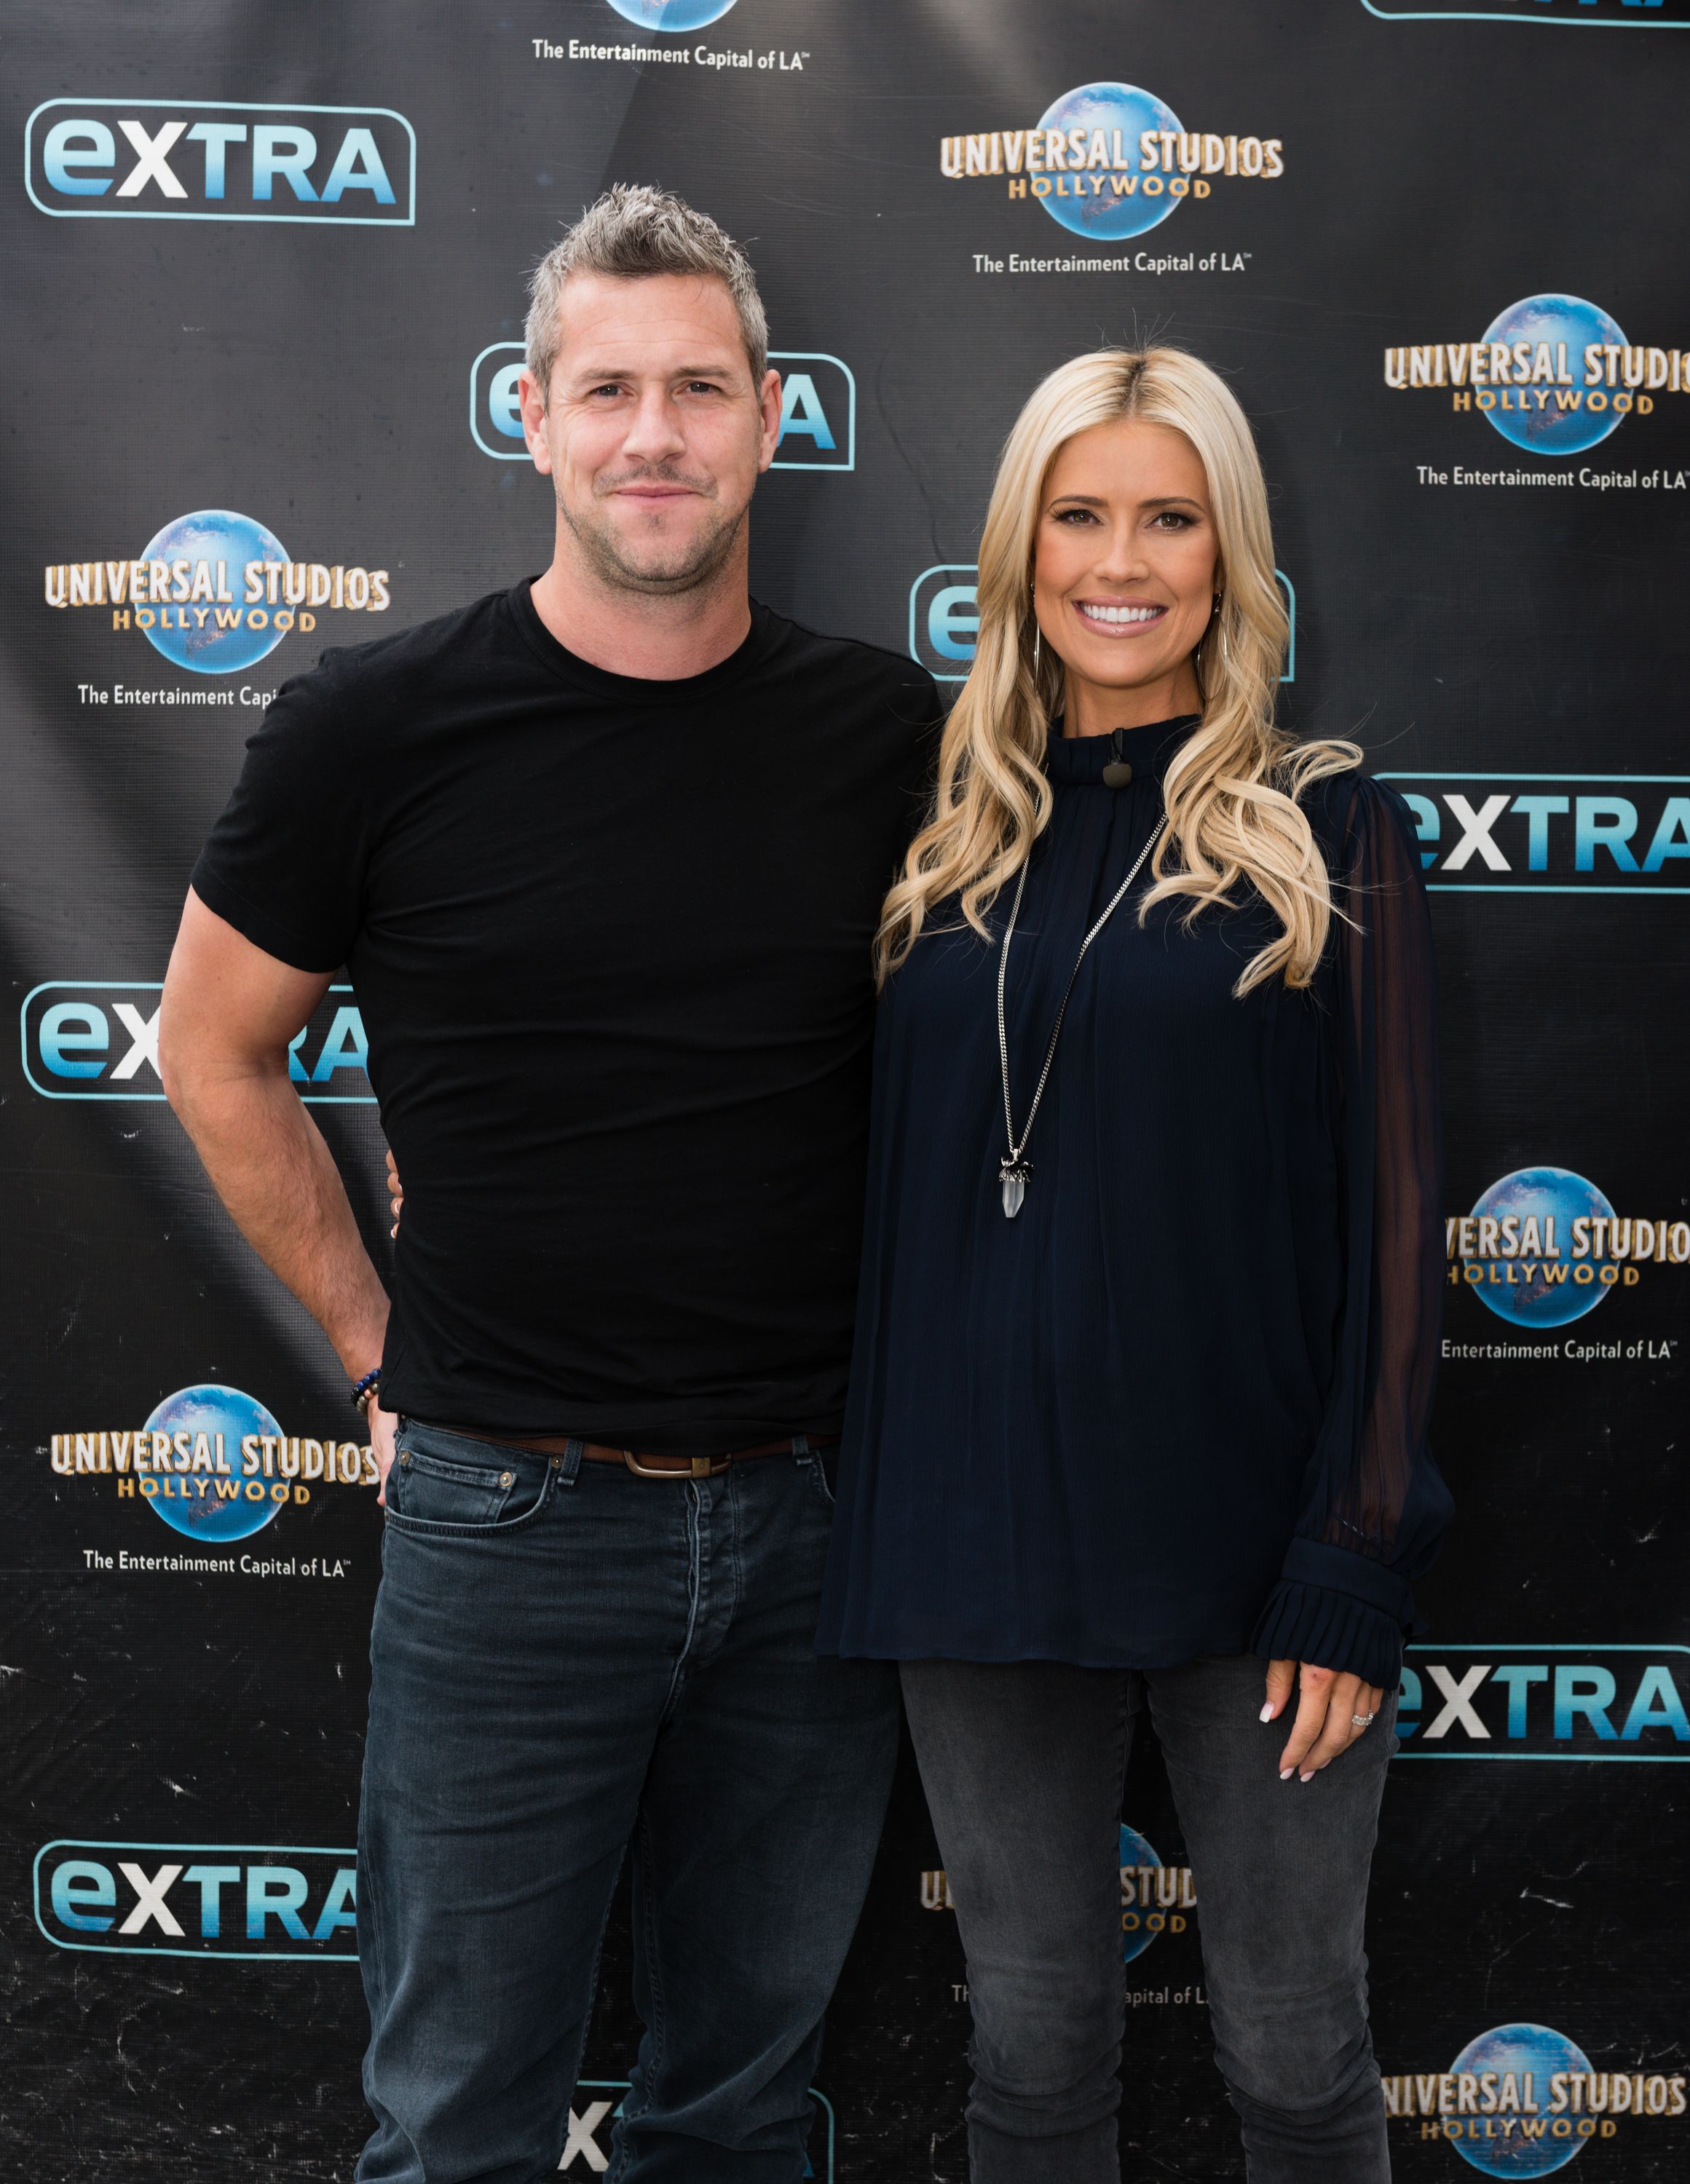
x: 1539, y: 811
x: 1671, y: 836
x: 216, y: 137
x: 357, y: 166
x: 276, y: 1892
x: 73, y: 1027
x: 1516, y: 1676
x: 72, y: 144
x: 209, y: 1880
x: 281, y: 148
x: 1587, y: 1691
x: 1605, y: 822
x: 1407, y: 1702
x: 503, y: 411
x: 1428, y: 825
x: 1657, y: 1706
x: 339, y: 1906
x: 801, y: 411
x: 952, y: 623
x: 345, y: 1047
x: 79, y: 1881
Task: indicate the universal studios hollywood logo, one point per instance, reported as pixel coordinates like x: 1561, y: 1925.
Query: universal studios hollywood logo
x: 1523, y: 2100
x: 1543, y: 1246
x: 212, y: 1462
x: 1553, y: 374
x: 1108, y: 160
x: 216, y: 592
x: 675, y: 15
x: 1155, y: 1898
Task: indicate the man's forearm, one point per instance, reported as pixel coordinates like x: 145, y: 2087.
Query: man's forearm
x: 270, y: 1167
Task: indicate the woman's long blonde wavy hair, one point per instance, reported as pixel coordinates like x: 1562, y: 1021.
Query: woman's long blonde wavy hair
x: 1232, y: 791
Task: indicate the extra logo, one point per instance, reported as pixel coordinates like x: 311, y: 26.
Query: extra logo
x: 196, y: 159
x: 216, y: 592
x: 1553, y: 373
x: 818, y: 408
x: 677, y: 16
x: 1541, y: 833
x: 1108, y: 160
x: 95, y: 1039
x: 1595, y: 14
x: 1542, y: 1702
x: 589, y: 2142
x: 1522, y: 2100
x: 214, y: 1464
x: 945, y: 621
x: 1543, y: 1246
x: 198, y: 1900
x: 1155, y: 1898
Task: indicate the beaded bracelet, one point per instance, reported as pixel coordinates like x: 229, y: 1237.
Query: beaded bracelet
x: 363, y: 1390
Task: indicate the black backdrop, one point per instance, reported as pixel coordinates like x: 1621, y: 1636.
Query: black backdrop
x: 1494, y: 612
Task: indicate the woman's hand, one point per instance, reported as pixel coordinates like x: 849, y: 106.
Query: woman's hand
x: 1326, y: 1712
x: 396, y: 1192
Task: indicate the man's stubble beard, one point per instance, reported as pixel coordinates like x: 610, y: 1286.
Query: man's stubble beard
x: 700, y: 561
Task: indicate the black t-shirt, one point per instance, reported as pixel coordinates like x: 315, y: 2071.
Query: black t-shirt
x: 611, y: 941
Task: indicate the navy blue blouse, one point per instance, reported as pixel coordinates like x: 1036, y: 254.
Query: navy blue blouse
x: 1178, y: 1406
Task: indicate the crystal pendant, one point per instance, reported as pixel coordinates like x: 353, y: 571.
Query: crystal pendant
x: 1011, y: 1177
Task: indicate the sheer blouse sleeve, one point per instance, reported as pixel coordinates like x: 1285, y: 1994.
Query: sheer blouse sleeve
x: 1374, y: 1507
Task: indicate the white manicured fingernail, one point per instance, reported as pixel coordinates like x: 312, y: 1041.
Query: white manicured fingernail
x: 1309, y: 1777
x: 1266, y: 1713
x: 1285, y: 1774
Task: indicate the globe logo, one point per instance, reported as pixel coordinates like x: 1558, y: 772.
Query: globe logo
x: 1569, y: 325
x: 1549, y: 1285
x: 671, y: 14
x: 1137, y: 1938
x: 1516, y: 2051
x: 217, y: 540
x: 194, y: 1418
x: 1122, y: 112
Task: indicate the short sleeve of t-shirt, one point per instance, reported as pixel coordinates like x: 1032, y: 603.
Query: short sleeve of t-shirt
x: 285, y: 864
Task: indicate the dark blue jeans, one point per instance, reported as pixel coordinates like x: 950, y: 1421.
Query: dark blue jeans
x: 1022, y: 1764
x: 568, y: 1661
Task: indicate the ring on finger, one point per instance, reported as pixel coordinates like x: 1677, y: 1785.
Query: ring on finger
x: 1362, y: 1720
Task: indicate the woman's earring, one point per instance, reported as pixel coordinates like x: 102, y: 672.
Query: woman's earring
x: 1035, y: 651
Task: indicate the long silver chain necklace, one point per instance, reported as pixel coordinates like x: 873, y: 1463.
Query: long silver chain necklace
x: 1015, y: 1170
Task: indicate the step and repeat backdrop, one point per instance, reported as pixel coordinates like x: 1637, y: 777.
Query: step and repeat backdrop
x: 265, y: 291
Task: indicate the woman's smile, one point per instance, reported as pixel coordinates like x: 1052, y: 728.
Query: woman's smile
x: 1118, y: 617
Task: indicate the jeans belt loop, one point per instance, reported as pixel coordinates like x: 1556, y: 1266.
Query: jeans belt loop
x: 569, y: 1464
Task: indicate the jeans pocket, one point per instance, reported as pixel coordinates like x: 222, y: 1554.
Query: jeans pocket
x: 464, y: 1488
x: 823, y: 1469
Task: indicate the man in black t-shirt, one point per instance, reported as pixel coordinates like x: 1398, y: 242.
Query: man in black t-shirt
x: 604, y: 854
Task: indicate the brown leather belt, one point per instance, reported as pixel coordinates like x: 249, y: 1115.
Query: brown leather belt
x: 663, y: 1466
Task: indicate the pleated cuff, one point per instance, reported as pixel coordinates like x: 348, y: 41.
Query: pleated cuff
x: 1330, y: 1630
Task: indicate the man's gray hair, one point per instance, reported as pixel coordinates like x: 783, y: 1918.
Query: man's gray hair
x: 635, y: 232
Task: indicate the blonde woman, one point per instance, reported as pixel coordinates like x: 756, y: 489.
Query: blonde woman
x: 1151, y: 1288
